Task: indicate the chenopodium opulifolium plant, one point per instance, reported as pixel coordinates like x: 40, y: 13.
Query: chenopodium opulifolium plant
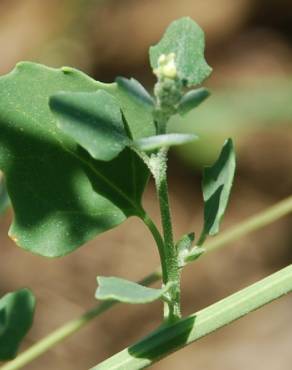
x: 77, y: 155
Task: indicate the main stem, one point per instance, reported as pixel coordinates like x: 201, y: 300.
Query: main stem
x: 172, y: 308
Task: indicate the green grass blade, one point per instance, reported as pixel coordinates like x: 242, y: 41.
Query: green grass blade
x: 173, y: 337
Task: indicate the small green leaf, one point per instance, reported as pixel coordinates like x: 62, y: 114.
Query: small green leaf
x: 186, y: 252
x: 94, y: 120
x: 217, y: 183
x: 16, y: 316
x: 186, y: 40
x: 183, y: 247
x: 113, y: 288
x: 159, y: 141
x: 135, y: 89
x: 192, y: 99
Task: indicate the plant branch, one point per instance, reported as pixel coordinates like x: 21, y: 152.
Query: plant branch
x: 168, y: 339
x: 259, y: 220
x: 159, y: 242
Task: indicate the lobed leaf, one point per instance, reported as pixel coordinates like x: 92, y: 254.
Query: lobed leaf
x: 186, y: 40
x: 166, y: 140
x: 61, y: 196
x: 217, y: 183
x: 16, y: 316
x: 113, y: 288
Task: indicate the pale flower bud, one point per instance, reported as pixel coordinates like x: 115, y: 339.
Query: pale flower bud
x: 166, y: 66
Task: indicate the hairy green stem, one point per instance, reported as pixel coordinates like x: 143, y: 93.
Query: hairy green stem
x: 259, y: 220
x: 168, y: 339
x: 172, y: 311
x: 159, y: 169
x: 159, y: 242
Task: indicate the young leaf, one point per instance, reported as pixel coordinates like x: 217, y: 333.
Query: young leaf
x: 134, y: 88
x: 16, y: 315
x: 183, y: 247
x: 217, y: 183
x: 113, y: 288
x: 194, y: 254
x: 159, y: 141
x: 186, y: 40
x: 94, y: 120
x: 187, y: 253
x: 192, y: 99
x: 61, y: 196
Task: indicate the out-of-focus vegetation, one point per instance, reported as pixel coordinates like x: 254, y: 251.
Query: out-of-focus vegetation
x: 248, y: 45
x: 236, y: 112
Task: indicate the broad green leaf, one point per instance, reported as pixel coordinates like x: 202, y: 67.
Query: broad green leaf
x: 4, y: 199
x: 16, y: 316
x: 94, y: 120
x: 113, y: 288
x: 192, y: 99
x: 186, y: 40
x: 217, y: 183
x: 134, y: 88
x: 159, y: 141
x: 61, y: 196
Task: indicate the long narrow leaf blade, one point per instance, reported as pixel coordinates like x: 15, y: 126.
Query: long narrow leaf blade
x: 168, y: 339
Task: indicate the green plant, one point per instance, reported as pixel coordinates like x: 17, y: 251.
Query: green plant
x: 78, y: 153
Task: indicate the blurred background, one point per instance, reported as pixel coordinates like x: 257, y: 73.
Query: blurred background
x: 249, y: 46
